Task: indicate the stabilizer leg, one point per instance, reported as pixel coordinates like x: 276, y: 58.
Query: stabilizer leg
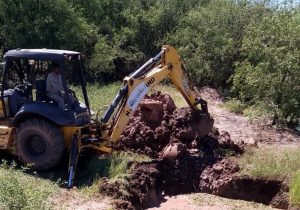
x: 74, y: 153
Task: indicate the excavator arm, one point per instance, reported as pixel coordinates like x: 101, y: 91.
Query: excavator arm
x: 166, y: 64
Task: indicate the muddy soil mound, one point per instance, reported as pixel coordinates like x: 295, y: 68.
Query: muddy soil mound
x: 223, y: 180
x: 176, y: 138
x: 215, y: 178
x: 138, y: 190
x: 149, y: 136
x: 157, y: 124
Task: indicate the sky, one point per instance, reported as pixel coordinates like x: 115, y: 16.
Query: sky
x: 282, y: 1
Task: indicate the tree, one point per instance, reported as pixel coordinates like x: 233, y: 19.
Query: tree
x: 43, y: 23
x: 209, y: 38
x: 270, y: 72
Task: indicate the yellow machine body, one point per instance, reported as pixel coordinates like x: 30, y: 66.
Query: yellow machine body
x: 99, y: 134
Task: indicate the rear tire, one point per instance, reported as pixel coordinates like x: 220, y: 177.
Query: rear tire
x: 39, y: 143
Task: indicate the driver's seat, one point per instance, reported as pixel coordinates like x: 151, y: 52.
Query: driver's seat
x: 40, y: 86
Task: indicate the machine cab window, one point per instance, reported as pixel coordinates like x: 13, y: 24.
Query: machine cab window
x: 24, y: 82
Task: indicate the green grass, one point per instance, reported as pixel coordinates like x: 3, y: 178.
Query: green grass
x: 256, y: 111
x: 118, y: 166
x: 113, y: 166
x: 102, y: 95
x: 235, y: 106
x: 274, y: 162
x: 99, y: 95
x: 19, y: 190
x: 270, y: 162
x: 175, y: 94
x: 294, y: 192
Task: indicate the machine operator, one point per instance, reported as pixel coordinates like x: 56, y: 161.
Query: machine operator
x: 54, y: 86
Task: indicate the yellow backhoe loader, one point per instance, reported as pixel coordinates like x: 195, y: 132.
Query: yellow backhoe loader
x: 37, y: 131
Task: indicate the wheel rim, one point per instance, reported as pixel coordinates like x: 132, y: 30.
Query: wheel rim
x: 36, y: 145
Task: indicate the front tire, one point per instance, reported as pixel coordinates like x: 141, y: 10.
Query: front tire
x: 39, y: 143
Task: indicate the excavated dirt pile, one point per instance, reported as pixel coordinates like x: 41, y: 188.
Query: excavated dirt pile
x: 138, y: 190
x: 184, y: 159
x: 159, y: 128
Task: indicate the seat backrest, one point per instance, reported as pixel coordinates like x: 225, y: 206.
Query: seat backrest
x: 40, y: 85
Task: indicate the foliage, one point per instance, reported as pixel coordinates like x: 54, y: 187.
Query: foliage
x: 210, y: 37
x: 43, y: 23
x: 258, y: 111
x: 114, y: 166
x: 271, y: 162
x: 250, y: 47
x: 270, y: 70
x: 21, y: 191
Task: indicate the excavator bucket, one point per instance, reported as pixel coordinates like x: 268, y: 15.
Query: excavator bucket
x: 203, y: 122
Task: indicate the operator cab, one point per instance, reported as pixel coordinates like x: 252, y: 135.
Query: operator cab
x: 23, y: 90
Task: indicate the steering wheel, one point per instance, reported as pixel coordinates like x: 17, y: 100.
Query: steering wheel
x: 23, y: 88
x: 27, y: 83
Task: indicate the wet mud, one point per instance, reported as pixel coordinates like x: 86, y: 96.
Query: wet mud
x: 189, y: 155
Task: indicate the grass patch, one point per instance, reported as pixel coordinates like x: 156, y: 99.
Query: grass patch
x: 118, y: 166
x: 256, y: 111
x: 19, y: 190
x: 114, y: 167
x: 175, y: 94
x: 235, y: 106
x: 294, y: 193
x: 270, y: 162
x: 99, y: 95
x: 102, y: 95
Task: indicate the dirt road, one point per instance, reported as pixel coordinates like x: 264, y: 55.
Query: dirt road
x: 71, y: 199
x: 241, y: 128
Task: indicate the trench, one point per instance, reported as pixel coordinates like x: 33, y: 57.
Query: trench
x: 182, y: 161
x: 149, y: 182
x: 189, y: 156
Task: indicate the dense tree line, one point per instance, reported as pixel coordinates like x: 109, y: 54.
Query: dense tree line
x: 249, y: 49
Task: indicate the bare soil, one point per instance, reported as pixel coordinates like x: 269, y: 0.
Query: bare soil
x: 203, y: 201
x: 243, y: 130
x: 71, y: 199
x: 186, y: 160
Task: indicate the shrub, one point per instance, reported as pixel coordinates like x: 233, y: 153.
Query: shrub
x: 210, y: 37
x: 270, y: 72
